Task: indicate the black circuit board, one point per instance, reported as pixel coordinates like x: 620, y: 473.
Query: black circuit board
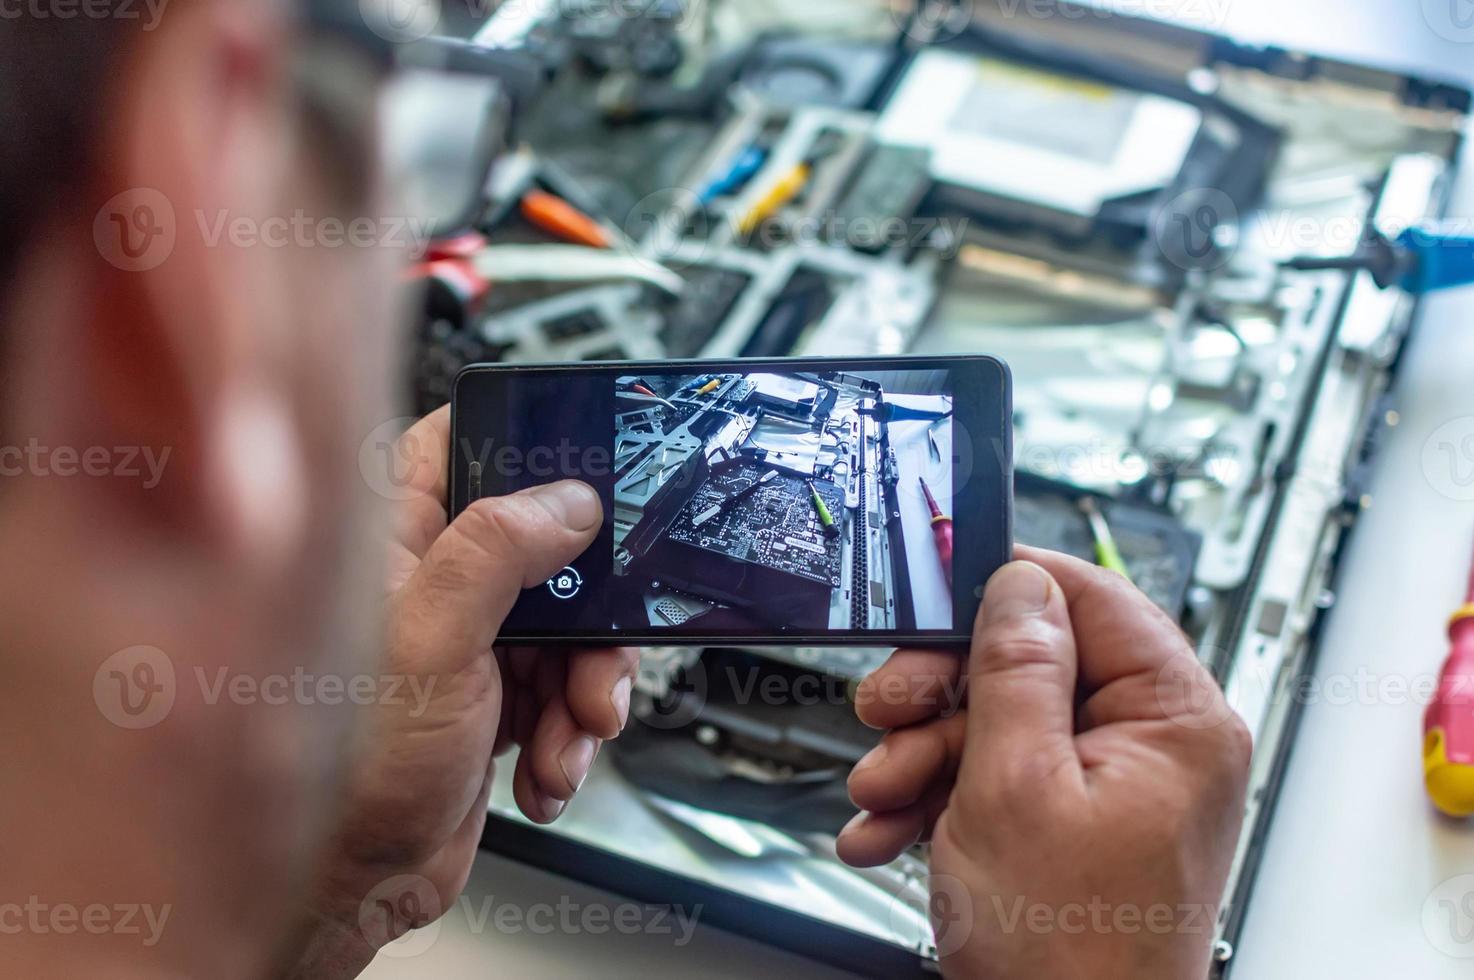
x: 776, y: 526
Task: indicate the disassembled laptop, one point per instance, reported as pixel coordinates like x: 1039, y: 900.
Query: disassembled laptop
x: 1105, y: 203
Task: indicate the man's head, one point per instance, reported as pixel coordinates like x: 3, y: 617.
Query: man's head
x: 191, y: 355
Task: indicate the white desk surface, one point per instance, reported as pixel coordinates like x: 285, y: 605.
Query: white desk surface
x: 930, y: 591
x: 1355, y: 852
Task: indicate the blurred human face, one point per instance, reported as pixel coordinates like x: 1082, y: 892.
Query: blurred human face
x: 259, y: 355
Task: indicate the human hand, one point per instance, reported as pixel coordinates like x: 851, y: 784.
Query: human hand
x: 417, y: 794
x: 1084, y: 808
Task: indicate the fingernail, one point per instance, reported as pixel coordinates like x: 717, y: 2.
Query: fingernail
x: 553, y: 809
x: 872, y: 758
x: 856, y: 822
x: 576, y: 759
x: 575, y: 504
x: 620, y: 696
x: 1017, y: 591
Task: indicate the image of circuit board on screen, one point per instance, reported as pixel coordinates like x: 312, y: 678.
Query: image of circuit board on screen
x: 813, y: 502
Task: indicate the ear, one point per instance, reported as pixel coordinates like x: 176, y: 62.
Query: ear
x: 185, y: 343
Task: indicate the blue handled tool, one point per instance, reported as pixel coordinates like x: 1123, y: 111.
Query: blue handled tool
x: 1418, y: 261
x: 736, y: 177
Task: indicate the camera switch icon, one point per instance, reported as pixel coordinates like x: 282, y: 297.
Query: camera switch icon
x: 565, y: 584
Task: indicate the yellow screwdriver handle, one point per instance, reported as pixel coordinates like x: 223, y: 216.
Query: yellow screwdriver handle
x: 772, y: 202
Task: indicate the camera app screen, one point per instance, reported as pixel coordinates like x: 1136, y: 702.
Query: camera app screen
x: 773, y: 500
x: 785, y: 500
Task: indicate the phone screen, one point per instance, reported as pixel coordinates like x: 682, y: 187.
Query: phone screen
x: 832, y: 502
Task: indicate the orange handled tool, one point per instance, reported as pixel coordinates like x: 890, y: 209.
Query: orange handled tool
x: 941, y: 529
x: 1448, y: 725
x: 561, y: 219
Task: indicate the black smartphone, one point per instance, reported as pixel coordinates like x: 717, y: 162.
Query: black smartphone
x: 795, y: 501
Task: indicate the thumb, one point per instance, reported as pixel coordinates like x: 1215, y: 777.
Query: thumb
x: 459, y: 596
x: 1021, y: 681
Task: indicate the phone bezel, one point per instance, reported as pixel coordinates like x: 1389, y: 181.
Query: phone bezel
x: 969, y: 564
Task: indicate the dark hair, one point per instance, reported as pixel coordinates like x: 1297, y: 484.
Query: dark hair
x: 57, y: 75
x: 54, y: 78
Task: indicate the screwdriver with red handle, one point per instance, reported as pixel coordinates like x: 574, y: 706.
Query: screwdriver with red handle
x: 1448, y: 724
x: 941, y: 529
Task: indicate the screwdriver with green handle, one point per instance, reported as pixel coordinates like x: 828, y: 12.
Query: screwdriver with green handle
x: 831, y: 529
x: 1107, y: 554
